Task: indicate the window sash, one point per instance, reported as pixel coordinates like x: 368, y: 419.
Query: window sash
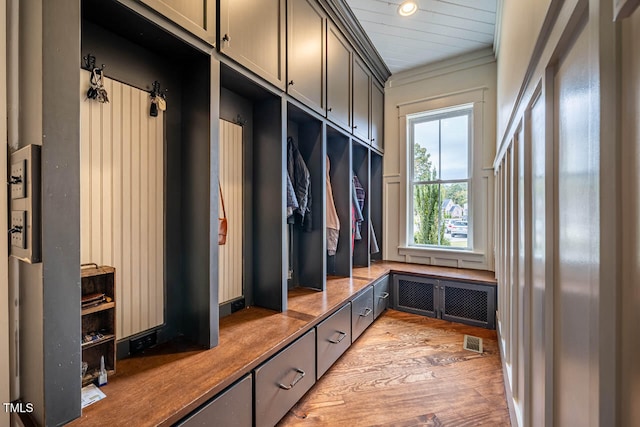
x: 412, y: 121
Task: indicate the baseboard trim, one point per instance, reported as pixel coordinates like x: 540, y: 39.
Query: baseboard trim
x: 507, y: 387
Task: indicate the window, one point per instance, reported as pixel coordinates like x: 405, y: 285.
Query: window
x: 440, y: 177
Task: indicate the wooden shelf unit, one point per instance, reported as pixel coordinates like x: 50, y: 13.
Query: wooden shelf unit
x: 101, y: 319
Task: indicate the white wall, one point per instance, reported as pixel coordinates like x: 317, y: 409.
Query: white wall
x: 461, y: 79
x: 558, y: 266
x: 522, y: 21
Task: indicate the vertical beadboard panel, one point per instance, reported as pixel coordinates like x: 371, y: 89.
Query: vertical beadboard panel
x: 231, y: 176
x: 122, y: 171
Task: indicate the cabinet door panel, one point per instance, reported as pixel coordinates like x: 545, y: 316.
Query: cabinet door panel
x: 377, y: 116
x: 338, y: 78
x: 415, y: 294
x: 306, y: 53
x: 361, y: 84
x: 196, y: 16
x: 252, y: 33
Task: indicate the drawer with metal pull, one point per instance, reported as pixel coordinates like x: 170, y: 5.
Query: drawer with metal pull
x: 361, y: 313
x: 230, y: 408
x: 334, y: 338
x: 283, y: 380
x: 380, y: 296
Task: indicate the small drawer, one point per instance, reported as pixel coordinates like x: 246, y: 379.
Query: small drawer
x: 361, y: 313
x: 334, y: 338
x: 380, y: 296
x: 230, y: 408
x: 284, y: 379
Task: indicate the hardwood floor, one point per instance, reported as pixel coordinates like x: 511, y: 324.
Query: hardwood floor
x: 409, y: 370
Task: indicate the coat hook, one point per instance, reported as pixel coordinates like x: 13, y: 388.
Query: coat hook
x: 89, y: 62
x: 240, y: 121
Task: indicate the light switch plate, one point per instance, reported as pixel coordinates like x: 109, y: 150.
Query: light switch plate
x: 18, y: 173
x: 25, y: 204
x: 19, y: 220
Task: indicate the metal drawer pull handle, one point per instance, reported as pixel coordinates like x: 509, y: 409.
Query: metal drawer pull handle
x: 295, y: 381
x: 384, y: 295
x: 367, y: 311
x: 340, y: 337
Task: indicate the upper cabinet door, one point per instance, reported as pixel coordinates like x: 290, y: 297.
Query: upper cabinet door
x: 196, y: 16
x: 377, y: 116
x: 361, y: 85
x: 252, y: 32
x: 338, y: 78
x: 306, y: 53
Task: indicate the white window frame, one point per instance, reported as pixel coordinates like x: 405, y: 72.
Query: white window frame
x: 480, y: 192
x: 427, y: 116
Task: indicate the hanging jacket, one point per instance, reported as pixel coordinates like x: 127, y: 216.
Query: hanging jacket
x: 292, y: 201
x: 301, y: 180
x: 359, y: 195
x: 333, y: 222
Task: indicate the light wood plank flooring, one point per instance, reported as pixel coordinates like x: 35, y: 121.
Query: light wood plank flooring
x: 409, y: 370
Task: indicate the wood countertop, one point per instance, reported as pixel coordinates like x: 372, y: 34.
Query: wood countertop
x: 380, y: 268
x: 166, y: 383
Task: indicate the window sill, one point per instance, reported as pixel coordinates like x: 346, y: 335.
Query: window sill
x: 466, y: 254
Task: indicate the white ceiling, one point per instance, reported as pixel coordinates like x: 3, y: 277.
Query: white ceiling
x: 440, y: 29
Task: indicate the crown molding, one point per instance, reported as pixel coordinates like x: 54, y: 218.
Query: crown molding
x: 450, y: 65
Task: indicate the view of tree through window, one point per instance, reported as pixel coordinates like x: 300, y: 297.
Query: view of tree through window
x: 440, y: 178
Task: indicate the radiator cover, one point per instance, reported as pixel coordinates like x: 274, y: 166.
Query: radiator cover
x: 469, y: 303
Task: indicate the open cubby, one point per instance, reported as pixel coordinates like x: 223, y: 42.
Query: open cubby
x: 307, y: 240
x: 137, y: 52
x: 339, y: 153
x: 260, y: 113
x: 375, y: 203
x: 360, y: 160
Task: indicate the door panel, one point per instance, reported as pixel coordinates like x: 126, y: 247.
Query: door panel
x: 306, y: 53
x: 338, y: 78
x: 252, y: 32
x: 361, y: 84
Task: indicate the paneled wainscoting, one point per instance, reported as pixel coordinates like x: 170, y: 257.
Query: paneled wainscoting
x: 409, y: 370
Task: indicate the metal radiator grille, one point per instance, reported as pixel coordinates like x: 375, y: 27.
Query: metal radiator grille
x: 466, y: 303
x: 415, y: 295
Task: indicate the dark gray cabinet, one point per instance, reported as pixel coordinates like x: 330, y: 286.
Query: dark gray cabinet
x: 333, y: 338
x: 338, y: 78
x: 252, y: 32
x: 380, y: 296
x: 361, y: 312
x: 232, y: 407
x: 469, y: 303
x: 377, y: 116
x: 284, y: 379
x: 361, y: 86
x: 306, y: 52
x: 196, y: 16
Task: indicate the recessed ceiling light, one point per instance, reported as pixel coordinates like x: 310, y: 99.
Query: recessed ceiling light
x: 407, y: 8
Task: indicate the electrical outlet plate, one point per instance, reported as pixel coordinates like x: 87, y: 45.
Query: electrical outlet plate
x: 19, y: 188
x: 18, y: 220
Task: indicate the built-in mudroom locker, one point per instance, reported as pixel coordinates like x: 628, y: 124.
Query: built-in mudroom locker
x: 274, y: 107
